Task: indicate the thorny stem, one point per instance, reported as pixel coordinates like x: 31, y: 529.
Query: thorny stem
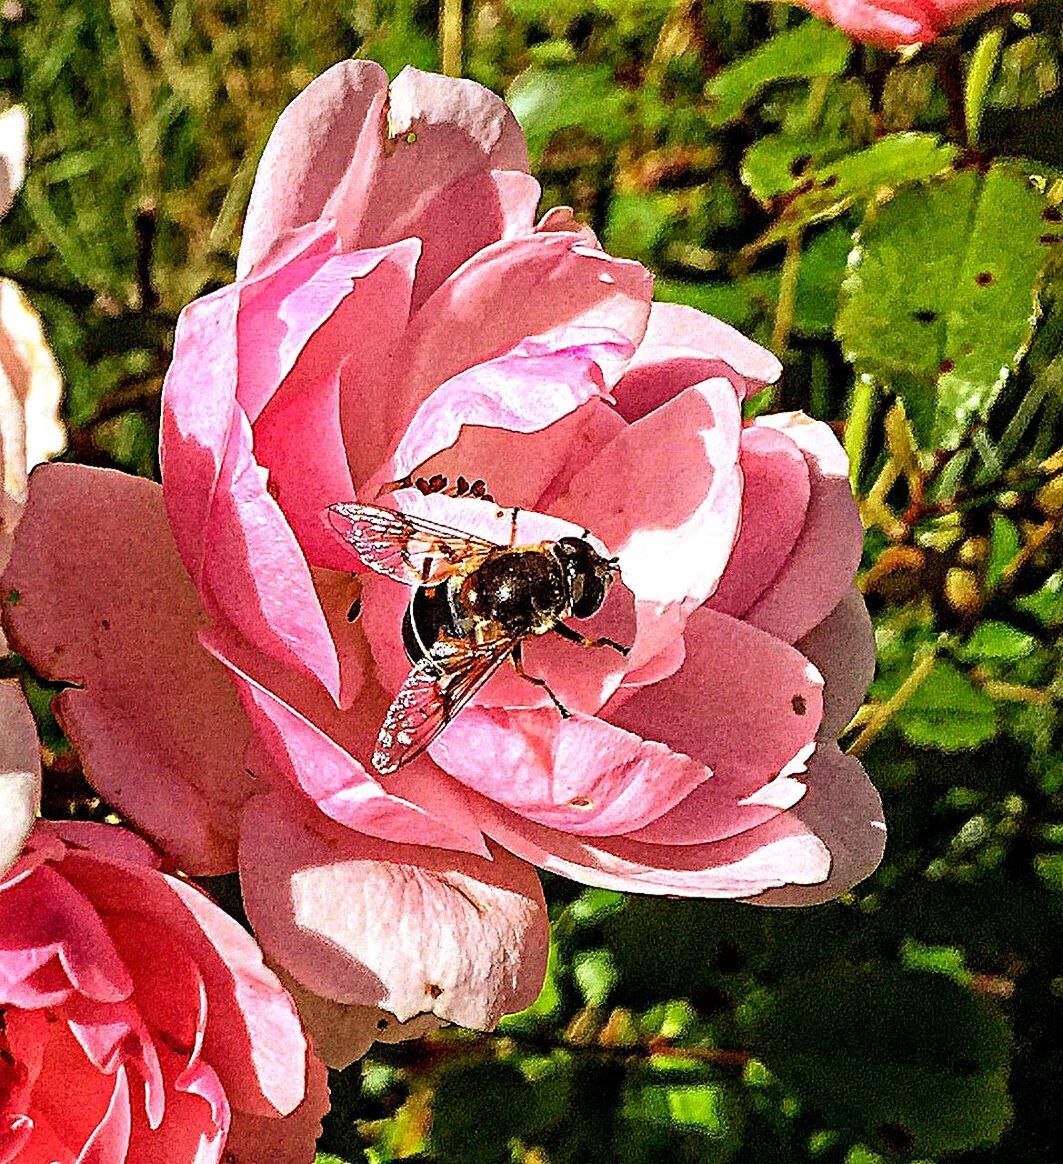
x: 714, y: 1056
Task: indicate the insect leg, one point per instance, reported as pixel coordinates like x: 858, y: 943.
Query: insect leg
x: 518, y: 665
x: 573, y: 636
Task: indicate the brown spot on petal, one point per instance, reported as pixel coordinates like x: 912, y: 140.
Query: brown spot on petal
x: 382, y: 1024
x: 580, y: 802
x: 355, y: 610
x: 432, y: 990
x: 799, y: 705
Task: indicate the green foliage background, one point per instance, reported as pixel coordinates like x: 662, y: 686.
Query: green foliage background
x: 890, y: 224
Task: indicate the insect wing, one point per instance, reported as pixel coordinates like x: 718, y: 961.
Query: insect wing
x: 409, y: 549
x: 432, y: 695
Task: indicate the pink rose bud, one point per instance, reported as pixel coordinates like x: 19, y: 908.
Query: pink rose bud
x: 895, y: 23
x: 139, y: 1023
x: 404, y: 335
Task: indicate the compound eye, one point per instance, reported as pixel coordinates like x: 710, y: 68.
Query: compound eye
x: 588, y: 595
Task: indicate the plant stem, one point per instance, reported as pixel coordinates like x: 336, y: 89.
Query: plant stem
x: 451, y: 30
x: 881, y: 714
x: 784, y: 311
x: 858, y: 425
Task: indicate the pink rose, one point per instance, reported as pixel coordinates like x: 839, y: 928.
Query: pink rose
x: 895, y: 23
x: 399, y: 313
x: 138, y: 1022
x: 30, y: 431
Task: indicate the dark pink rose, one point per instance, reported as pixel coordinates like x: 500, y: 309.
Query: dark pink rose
x: 139, y: 1024
x: 895, y: 23
x: 399, y: 313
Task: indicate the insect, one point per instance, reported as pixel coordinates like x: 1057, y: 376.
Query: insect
x: 474, y: 604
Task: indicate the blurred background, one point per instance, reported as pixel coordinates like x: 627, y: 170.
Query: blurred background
x: 759, y: 162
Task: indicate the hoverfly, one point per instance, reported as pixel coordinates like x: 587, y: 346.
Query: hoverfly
x: 474, y: 603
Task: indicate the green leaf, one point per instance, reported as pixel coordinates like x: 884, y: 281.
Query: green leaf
x: 948, y: 712
x: 997, y: 640
x: 1005, y: 541
x: 665, y: 1117
x: 636, y: 222
x: 887, y: 1051
x: 941, y: 298
x: 547, y: 100
x: 896, y: 160
x: 810, y: 50
x: 1046, y: 604
x: 595, y: 974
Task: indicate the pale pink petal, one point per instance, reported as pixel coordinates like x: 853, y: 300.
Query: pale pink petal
x: 408, y: 929
x: 340, y: 785
x: 822, y: 564
x: 563, y: 218
x: 14, y: 148
x: 745, y: 705
x: 843, y: 809
x: 31, y: 381
x: 20, y: 772
x: 253, y: 1037
x: 842, y: 648
x: 97, y: 596
x: 527, y: 389
x: 305, y: 412
x: 327, y: 139
x: 473, y: 212
x: 255, y: 573
x: 775, y: 502
x: 109, y: 1142
x: 777, y: 852
x: 683, y: 347
x: 510, y: 290
x: 291, y: 1140
x: 672, y: 530
x: 580, y: 775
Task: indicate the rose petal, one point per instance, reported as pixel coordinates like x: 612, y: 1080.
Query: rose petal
x: 109, y: 1143
x: 326, y: 138
x: 342, y: 1032
x: 681, y: 348
x: 672, y: 531
x: 821, y: 566
x: 96, y: 596
x: 842, y: 647
x: 305, y: 412
x: 775, y: 502
x: 744, y: 704
x: 42, y: 918
x: 520, y: 287
x: 778, y: 852
x: 14, y: 148
x: 20, y: 772
x: 580, y: 775
x: 291, y: 1140
x: 408, y: 929
x: 532, y: 386
x: 844, y: 810
x: 341, y: 786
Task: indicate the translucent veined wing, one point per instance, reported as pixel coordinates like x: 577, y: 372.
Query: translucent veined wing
x: 432, y: 695
x: 407, y: 548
